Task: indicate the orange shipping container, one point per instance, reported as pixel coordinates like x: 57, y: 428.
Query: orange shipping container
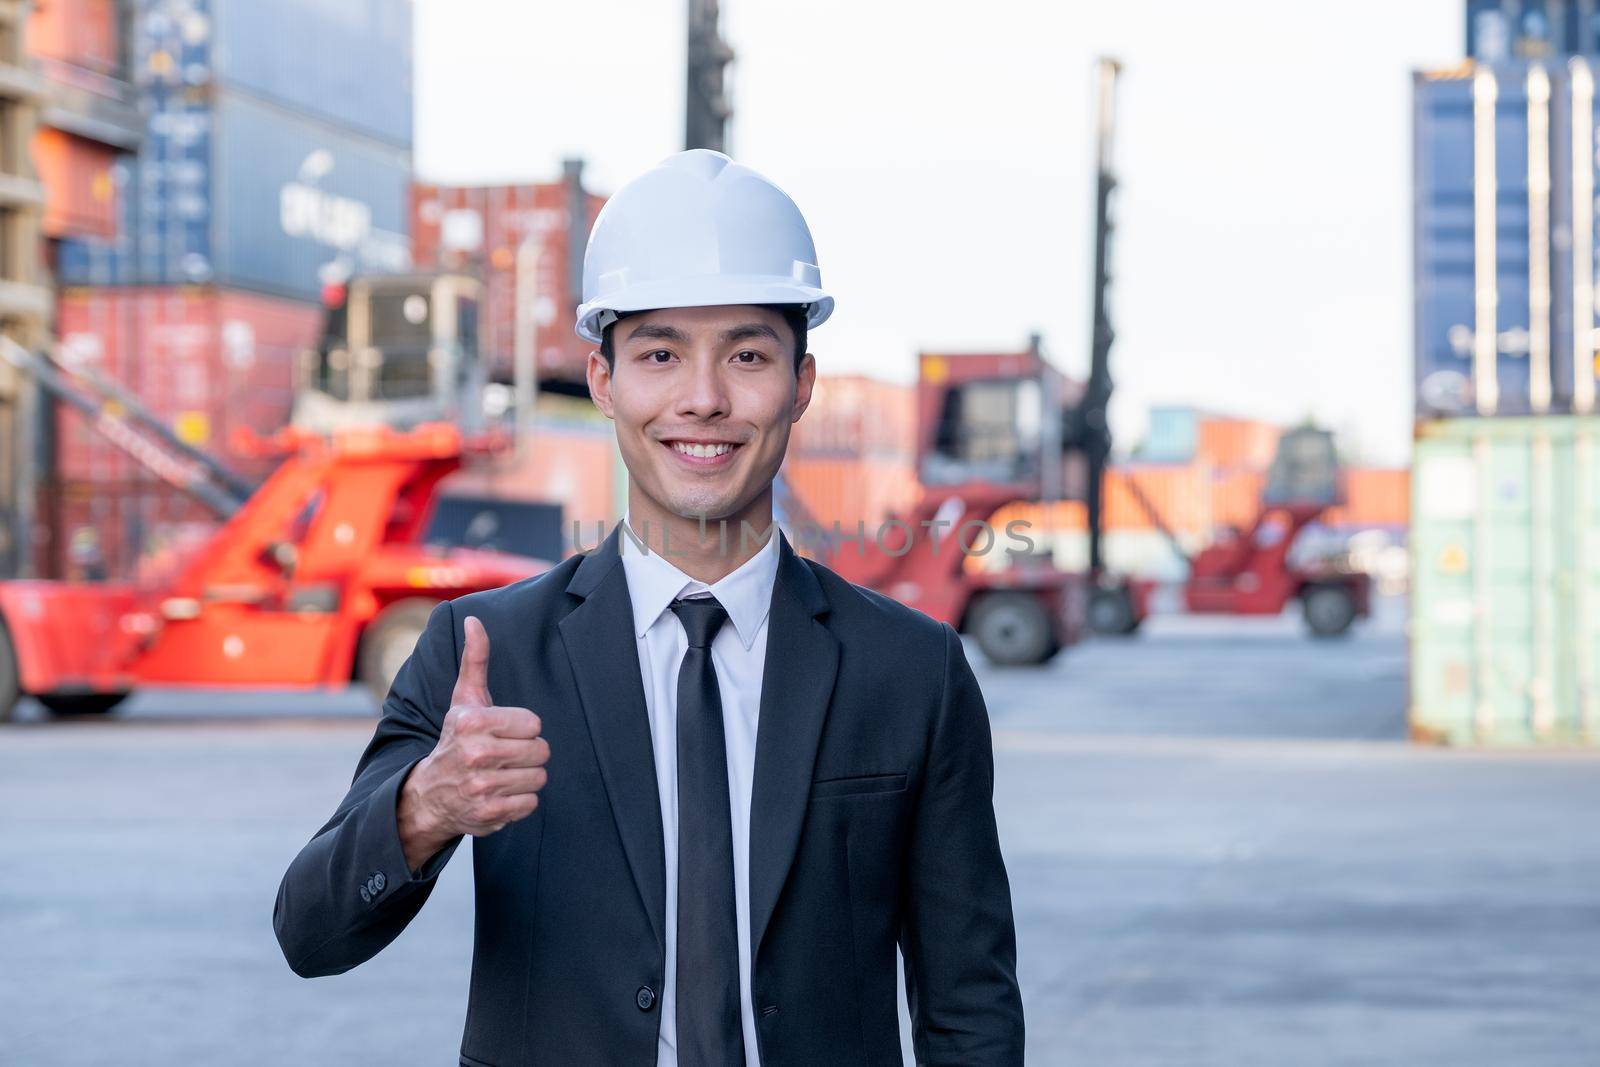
x: 848, y: 491
x: 1229, y: 443
x: 79, y: 194
x: 80, y: 33
x: 1236, y: 497
x: 1374, y: 496
x: 853, y: 415
x: 1180, y: 494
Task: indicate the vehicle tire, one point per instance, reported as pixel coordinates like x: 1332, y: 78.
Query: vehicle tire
x: 1111, y: 612
x: 388, y: 642
x: 10, y: 680
x: 1012, y: 629
x: 80, y: 703
x: 1329, y: 610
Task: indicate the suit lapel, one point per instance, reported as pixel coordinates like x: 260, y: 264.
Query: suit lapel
x: 598, y: 635
x: 802, y: 659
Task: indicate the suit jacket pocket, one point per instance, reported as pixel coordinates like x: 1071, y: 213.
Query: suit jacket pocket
x: 858, y: 785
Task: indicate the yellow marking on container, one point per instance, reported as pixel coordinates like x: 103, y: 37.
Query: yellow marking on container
x: 192, y: 427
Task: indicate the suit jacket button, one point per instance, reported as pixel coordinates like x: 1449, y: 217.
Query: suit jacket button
x: 379, y: 881
x: 646, y: 998
x: 365, y: 895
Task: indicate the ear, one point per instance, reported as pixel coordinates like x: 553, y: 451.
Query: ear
x: 804, y: 382
x: 598, y: 375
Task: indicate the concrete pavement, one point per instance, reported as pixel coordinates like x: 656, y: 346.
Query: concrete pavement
x: 1221, y: 853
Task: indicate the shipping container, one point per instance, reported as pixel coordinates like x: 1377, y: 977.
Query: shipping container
x: 847, y: 491
x: 1505, y: 608
x: 242, y: 187
x: 79, y: 192
x: 83, y: 34
x: 345, y: 61
x: 481, y: 229
x: 137, y: 530
x: 1498, y: 30
x: 1232, y: 443
x: 239, y: 193
x: 1505, y: 239
x: 1374, y: 498
x: 204, y: 360
x: 573, y: 463
x: 1173, y: 435
x: 857, y: 416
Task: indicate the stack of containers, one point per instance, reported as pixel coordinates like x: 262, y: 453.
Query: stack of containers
x: 276, y: 156
x: 497, y: 231
x: 89, y: 122
x: 526, y: 243
x: 851, y: 455
x: 1506, y: 481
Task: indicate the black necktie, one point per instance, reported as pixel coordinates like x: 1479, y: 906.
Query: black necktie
x: 710, y: 1033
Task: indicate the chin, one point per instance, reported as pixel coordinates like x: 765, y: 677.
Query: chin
x: 689, y: 507
x: 691, y: 503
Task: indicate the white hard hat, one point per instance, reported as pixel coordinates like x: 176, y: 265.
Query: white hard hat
x: 697, y: 230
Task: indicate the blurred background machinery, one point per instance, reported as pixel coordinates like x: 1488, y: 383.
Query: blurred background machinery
x: 322, y: 574
x: 239, y: 245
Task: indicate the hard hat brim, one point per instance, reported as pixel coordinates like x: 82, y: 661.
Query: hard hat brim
x: 711, y: 292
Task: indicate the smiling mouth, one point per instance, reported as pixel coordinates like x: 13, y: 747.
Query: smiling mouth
x: 701, y: 450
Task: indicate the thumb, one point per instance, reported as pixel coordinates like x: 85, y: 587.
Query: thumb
x: 472, y: 682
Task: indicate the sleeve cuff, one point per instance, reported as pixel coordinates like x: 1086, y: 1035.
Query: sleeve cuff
x: 382, y: 827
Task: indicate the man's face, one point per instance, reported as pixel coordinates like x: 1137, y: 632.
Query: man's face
x: 703, y: 399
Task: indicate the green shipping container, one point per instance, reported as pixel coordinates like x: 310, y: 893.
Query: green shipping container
x: 1505, y: 559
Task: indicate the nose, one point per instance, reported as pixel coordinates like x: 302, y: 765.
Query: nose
x: 704, y: 394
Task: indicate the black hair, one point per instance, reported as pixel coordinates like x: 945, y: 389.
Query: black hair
x: 794, y: 315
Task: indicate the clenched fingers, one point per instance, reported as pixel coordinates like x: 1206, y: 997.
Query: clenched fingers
x: 490, y: 752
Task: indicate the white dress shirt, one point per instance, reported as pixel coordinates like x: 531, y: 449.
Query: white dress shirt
x: 739, y: 653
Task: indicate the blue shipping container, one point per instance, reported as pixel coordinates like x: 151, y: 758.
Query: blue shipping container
x: 1501, y: 30
x: 241, y: 193
x: 277, y: 145
x: 1173, y: 437
x: 346, y: 61
x: 1505, y: 240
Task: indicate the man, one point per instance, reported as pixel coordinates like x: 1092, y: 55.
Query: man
x: 712, y: 785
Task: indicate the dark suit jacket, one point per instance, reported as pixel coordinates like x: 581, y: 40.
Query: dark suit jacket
x: 871, y: 823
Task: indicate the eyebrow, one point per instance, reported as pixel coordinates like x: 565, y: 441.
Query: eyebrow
x: 657, y: 331
x: 750, y: 330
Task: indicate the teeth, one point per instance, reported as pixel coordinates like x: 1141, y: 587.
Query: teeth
x: 701, y: 451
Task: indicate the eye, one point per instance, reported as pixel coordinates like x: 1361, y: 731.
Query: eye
x: 658, y: 352
x: 756, y: 357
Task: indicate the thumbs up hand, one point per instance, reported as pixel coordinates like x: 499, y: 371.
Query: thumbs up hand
x: 486, y: 770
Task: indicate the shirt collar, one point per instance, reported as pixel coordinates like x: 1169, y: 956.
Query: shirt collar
x: 653, y: 583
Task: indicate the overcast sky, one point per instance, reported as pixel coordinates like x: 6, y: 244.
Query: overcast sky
x: 942, y: 155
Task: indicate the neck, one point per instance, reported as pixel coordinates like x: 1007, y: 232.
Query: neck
x: 706, y: 550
